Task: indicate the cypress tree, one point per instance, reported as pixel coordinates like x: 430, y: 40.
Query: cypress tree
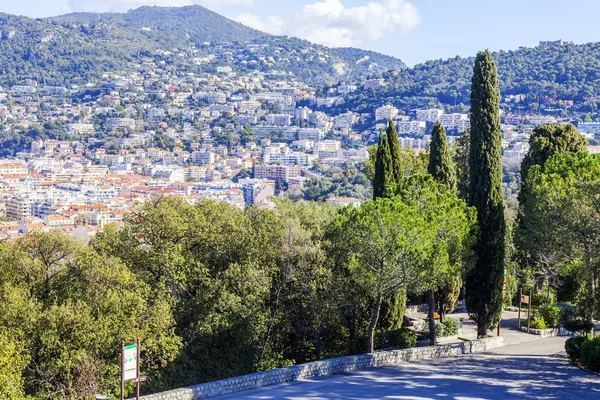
x: 396, y: 156
x: 383, y: 168
x: 484, y: 280
x: 441, y: 166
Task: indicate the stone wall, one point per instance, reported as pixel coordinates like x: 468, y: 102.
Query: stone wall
x: 550, y: 332
x: 326, y: 367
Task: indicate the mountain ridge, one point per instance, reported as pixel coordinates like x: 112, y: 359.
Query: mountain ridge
x: 94, y: 44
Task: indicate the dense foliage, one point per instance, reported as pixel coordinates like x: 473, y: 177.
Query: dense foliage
x: 564, y: 195
x: 484, y: 281
x: 573, y: 347
x: 541, y: 74
x: 213, y: 291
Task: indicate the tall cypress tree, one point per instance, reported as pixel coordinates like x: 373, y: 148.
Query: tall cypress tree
x: 441, y: 166
x: 484, y: 281
x: 383, y: 168
x: 395, y: 152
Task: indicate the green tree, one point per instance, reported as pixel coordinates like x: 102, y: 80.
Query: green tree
x: 385, y: 243
x: 441, y: 165
x: 441, y: 168
x: 451, y: 242
x: 484, y: 281
x: 545, y: 142
x: 13, y: 361
x: 565, y: 194
x: 548, y: 140
x: 395, y: 153
x: 383, y: 168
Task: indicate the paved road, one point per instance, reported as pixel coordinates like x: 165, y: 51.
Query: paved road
x: 533, y: 370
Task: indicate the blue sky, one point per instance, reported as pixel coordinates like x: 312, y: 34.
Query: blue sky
x: 413, y: 30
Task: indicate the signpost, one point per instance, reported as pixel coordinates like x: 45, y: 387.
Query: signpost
x: 130, y: 367
x: 527, y: 300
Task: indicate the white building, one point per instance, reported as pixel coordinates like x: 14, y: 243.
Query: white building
x: 459, y: 122
x: 81, y: 129
x: 117, y: 123
x: 431, y: 115
x: 257, y: 191
x: 386, y: 113
x: 279, y: 119
x: 410, y: 127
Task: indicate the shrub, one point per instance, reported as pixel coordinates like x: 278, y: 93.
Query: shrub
x: 451, y: 327
x: 573, y: 347
x: 440, y: 329
x: 541, y: 297
x: 551, y: 315
x: 590, y: 354
x: 393, y: 309
x: 402, y: 338
x: 538, y: 323
x: 571, y: 321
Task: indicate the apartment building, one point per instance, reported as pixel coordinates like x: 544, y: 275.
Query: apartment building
x: 277, y: 172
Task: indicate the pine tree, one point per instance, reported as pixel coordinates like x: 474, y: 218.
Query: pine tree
x: 545, y: 142
x: 383, y: 168
x: 484, y: 281
x: 395, y: 153
x: 441, y: 166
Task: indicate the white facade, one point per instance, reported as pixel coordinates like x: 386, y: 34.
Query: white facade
x: 386, y: 113
x: 431, y: 115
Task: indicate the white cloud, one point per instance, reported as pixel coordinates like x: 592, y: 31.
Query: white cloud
x: 124, y: 5
x: 330, y: 23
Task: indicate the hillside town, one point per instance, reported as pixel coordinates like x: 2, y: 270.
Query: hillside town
x: 236, y: 137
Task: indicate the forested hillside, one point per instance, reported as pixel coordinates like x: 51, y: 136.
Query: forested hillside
x: 542, y: 74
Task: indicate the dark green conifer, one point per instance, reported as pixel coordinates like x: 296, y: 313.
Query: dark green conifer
x: 484, y: 281
x: 396, y: 156
x: 383, y: 168
x: 441, y: 166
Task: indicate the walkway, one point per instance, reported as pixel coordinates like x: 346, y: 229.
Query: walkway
x: 523, y: 371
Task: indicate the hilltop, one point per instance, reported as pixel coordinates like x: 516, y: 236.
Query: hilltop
x: 81, y: 46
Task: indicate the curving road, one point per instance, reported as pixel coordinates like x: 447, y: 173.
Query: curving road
x: 532, y: 370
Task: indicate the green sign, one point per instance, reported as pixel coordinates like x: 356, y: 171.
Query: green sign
x: 130, y: 362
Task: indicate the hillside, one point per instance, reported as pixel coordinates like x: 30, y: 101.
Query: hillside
x: 170, y: 26
x: 78, y: 47
x: 543, y: 74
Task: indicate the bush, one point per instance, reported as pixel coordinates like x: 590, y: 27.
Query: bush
x: 551, y: 315
x: 590, y: 354
x: 541, y: 297
x: 393, y: 309
x: 573, y: 347
x: 571, y: 321
x: 451, y: 327
x: 440, y: 329
x: 538, y: 323
x: 402, y: 338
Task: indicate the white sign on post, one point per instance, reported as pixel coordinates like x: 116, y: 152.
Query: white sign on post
x: 130, y: 362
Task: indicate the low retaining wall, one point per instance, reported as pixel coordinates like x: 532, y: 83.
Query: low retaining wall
x: 331, y: 366
x: 546, y: 333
